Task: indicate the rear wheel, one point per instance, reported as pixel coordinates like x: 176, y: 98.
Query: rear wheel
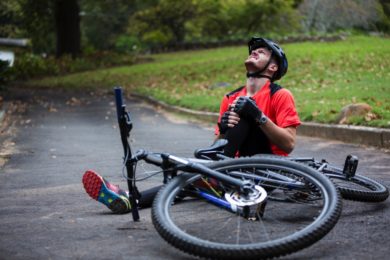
x: 301, y: 207
x: 358, y: 187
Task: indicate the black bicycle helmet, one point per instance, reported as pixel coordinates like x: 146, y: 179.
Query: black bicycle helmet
x: 277, y: 52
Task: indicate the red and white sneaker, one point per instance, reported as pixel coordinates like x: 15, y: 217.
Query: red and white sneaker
x: 110, y: 195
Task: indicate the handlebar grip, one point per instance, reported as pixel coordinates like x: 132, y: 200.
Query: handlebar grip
x: 153, y: 159
x: 118, y: 101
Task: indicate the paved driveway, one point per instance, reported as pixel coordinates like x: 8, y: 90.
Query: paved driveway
x: 45, y: 213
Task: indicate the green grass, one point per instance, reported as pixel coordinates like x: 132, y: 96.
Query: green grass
x: 323, y: 77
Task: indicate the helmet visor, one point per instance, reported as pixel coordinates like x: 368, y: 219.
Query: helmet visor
x: 256, y: 43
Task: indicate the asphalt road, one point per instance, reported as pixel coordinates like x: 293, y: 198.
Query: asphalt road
x: 45, y: 213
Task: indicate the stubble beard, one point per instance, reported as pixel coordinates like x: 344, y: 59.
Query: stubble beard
x: 250, y: 65
x: 252, y: 83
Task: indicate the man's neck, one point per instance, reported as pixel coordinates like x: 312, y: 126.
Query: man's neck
x: 254, y: 84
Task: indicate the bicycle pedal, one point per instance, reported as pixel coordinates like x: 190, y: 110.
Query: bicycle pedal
x: 350, y: 166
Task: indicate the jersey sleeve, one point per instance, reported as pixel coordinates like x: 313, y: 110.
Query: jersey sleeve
x: 285, y: 111
x: 222, y: 109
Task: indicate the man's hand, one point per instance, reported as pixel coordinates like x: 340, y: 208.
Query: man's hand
x: 228, y: 120
x: 246, y: 107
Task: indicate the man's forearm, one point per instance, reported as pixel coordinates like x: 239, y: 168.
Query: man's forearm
x: 284, y: 138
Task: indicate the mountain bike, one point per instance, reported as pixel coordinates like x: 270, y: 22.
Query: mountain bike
x: 352, y: 186
x: 242, y: 208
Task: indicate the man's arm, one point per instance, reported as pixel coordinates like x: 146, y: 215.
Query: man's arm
x: 284, y: 138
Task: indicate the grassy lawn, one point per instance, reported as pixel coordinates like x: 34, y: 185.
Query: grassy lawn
x: 323, y: 77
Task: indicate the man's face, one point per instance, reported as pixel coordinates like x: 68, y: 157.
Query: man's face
x: 257, y: 59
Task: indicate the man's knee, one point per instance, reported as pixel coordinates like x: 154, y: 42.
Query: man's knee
x: 236, y: 137
x: 241, y: 129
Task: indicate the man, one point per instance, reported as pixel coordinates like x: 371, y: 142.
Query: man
x: 261, y: 116
x: 257, y: 118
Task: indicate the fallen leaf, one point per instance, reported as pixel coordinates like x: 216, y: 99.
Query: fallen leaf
x: 53, y: 109
x: 370, y: 116
x: 73, y: 102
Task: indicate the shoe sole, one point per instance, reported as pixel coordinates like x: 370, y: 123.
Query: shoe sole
x: 96, y: 188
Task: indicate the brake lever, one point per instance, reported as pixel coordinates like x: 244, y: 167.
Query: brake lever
x: 139, y: 155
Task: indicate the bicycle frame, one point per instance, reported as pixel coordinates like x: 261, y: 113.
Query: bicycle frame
x: 348, y: 170
x: 165, y: 162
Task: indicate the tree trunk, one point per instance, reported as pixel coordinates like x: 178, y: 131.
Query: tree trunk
x: 67, y: 27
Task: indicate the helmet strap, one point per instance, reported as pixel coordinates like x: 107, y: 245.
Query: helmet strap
x: 259, y: 73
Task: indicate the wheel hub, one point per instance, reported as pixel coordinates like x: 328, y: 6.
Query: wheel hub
x: 250, y: 205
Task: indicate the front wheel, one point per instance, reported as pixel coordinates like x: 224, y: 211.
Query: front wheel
x: 302, y: 207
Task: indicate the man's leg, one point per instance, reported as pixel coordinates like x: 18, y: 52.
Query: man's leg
x: 256, y: 142
x: 112, y: 196
x: 147, y: 197
x: 247, y: 139
x: 236, y: 137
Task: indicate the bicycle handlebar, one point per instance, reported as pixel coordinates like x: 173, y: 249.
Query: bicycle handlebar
x: 155, y: 159
x: 125, y: 127
x: 118, y: 101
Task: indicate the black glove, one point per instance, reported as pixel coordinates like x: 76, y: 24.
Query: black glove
x: 247, y: 108
x: 223, y: 125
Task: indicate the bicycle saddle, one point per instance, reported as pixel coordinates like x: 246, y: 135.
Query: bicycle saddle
x: 211, y: 152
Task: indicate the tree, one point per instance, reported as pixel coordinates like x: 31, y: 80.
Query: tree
x: 67, y: 27
x: 269, y: 16
x: 163, y: 23
x: 10, y: 19
x: 52, y: 25
x: 384, y: 23
x: 210, y: 21
x: 103, y: 21
x: 170, y: 22
x: 38, y: 23
x: 331, y: 15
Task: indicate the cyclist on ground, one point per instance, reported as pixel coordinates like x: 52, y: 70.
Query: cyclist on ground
x: 259, y: 117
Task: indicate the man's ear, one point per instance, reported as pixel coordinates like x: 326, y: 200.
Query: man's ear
x: 273, y: 67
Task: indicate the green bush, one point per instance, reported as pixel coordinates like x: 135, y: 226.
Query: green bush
x: 157, y: 38
x: 4, y: 73
x: 127, y: 44
x: 28, y: 65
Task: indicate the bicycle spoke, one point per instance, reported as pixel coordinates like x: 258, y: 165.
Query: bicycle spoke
x: 264, y: 229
